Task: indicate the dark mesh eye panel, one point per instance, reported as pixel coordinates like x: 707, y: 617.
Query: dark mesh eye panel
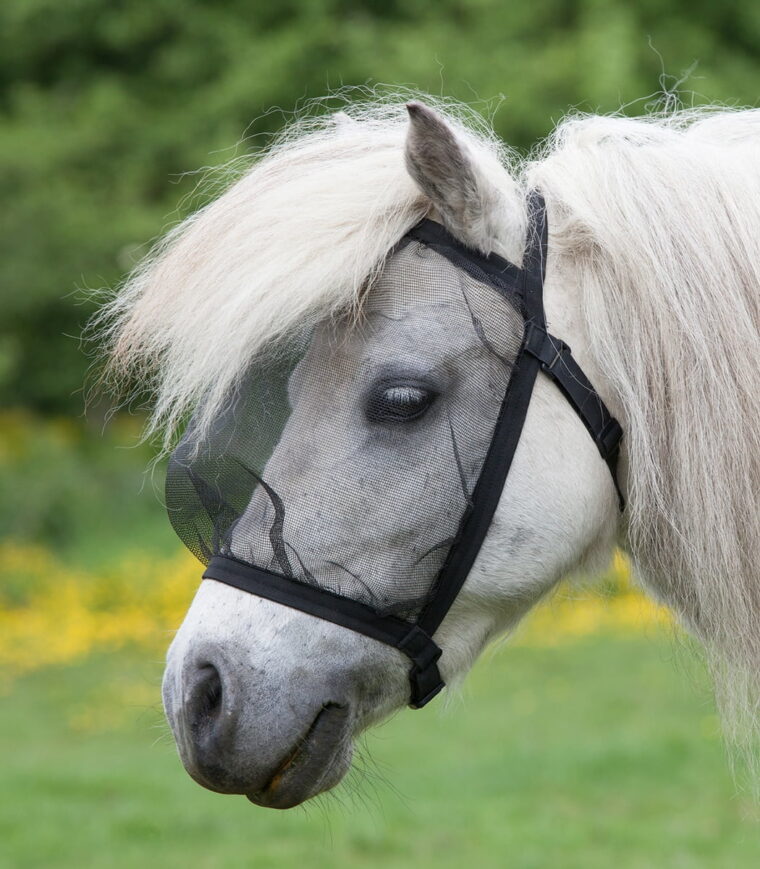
x: 316, y: 474
x: 355, y: 473
x: 209, y: 483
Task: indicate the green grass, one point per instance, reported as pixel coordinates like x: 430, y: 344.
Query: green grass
x: 595, y: 755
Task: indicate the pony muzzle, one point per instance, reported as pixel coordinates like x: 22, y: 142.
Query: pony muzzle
x: 231, y: 742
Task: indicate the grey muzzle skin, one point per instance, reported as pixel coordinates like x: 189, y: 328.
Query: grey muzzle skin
x: 225, y: 502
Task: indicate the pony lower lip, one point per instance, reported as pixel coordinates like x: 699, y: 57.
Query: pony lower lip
x: 304, y: 769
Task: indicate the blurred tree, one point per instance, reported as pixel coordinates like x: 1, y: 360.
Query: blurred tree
x: 105, y: 103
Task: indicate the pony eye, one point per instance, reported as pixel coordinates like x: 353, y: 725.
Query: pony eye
x: 398, y: 402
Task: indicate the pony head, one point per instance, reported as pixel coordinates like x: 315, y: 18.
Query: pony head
x: 266, y: 700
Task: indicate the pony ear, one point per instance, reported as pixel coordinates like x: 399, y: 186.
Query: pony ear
x: 470, y: 206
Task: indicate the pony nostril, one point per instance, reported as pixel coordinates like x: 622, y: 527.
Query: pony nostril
x: 208, y: 727
x: 210, y: 699
x: 204, y: 702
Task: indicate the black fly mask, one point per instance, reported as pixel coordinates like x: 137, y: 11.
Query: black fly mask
x: 422, y: 400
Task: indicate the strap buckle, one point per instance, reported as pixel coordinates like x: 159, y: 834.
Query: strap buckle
x: 424, y: 676
x: 608, y: 439
x: 544, y: 347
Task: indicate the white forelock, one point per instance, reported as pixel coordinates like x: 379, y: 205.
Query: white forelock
x: 295, y: 239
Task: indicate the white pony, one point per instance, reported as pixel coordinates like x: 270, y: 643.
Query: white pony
x: 653, y: 276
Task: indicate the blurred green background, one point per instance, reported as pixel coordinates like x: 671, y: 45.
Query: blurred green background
x: 593, y: 752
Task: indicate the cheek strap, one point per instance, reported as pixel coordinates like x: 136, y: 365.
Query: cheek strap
x: 558, y: 363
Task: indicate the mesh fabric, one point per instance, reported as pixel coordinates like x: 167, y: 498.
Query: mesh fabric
x: 347, y: 459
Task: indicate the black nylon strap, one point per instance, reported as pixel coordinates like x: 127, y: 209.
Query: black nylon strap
x: 409, y: 638
x: 506, y: 434
x: 558, y: 363
x: 534, y: 259
x: 485, y: 497
x: 502, y: 272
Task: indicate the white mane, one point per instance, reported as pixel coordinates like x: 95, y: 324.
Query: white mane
x: 660, y: 220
